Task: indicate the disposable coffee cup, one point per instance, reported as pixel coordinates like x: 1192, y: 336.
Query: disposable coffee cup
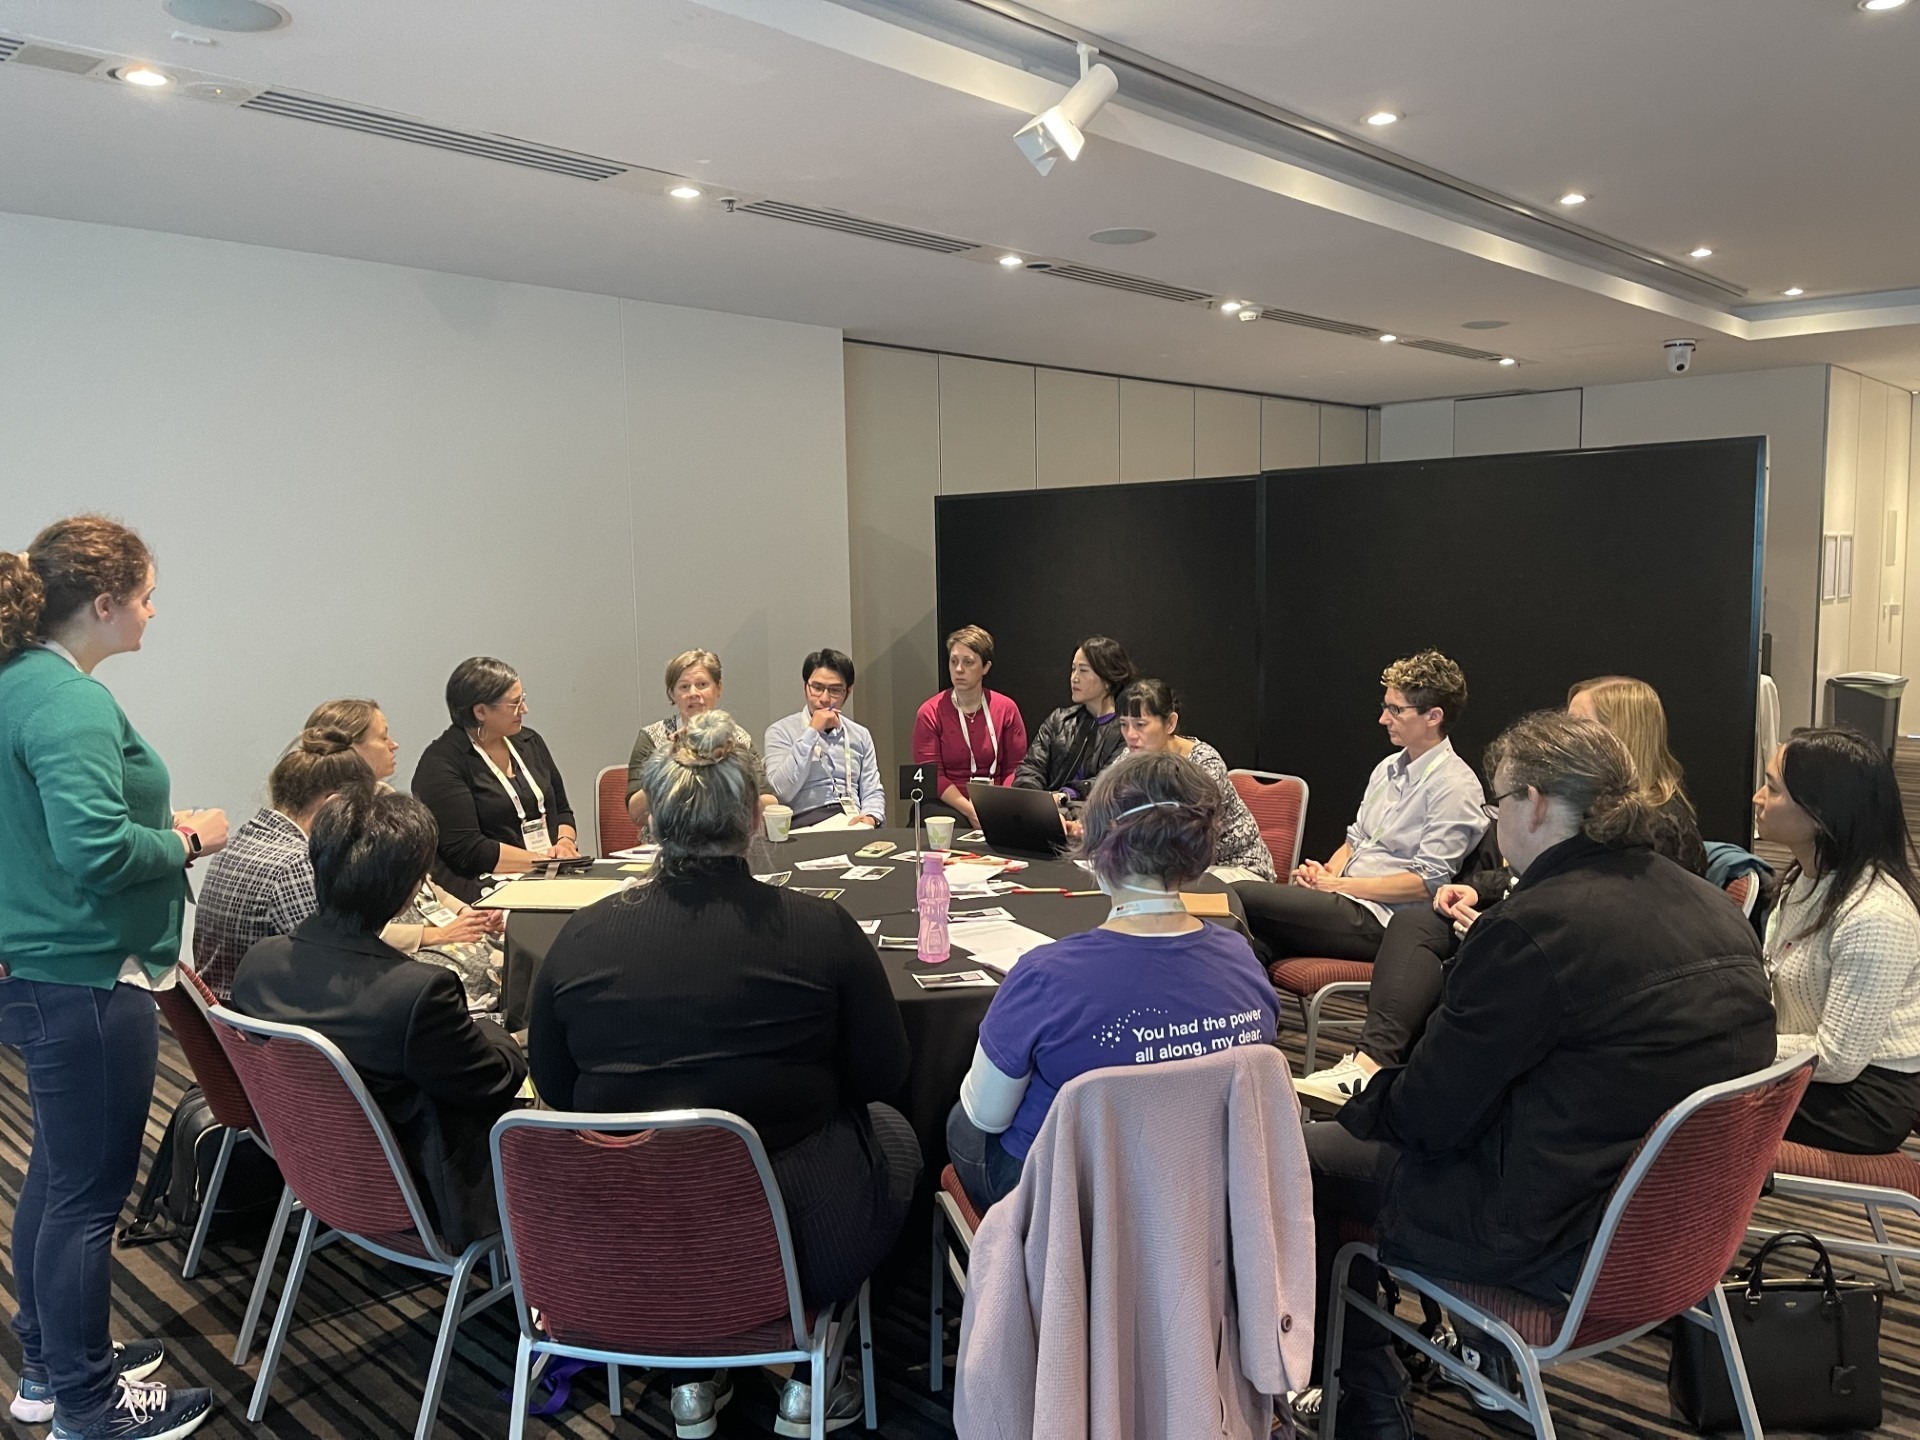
x: 779, y: 822
x: 940, y: 832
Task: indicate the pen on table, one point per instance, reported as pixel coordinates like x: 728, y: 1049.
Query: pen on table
x: 1049, y: 890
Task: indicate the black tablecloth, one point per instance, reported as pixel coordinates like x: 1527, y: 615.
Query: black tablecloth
x: 942, y: 1025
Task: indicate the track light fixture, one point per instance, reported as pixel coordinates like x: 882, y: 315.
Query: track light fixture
x: 1058, y: 131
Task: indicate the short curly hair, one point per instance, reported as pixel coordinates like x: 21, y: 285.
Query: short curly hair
x: 1428, y: 680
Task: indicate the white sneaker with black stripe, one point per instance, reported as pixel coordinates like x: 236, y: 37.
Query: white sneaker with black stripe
x: 1336, y: 1084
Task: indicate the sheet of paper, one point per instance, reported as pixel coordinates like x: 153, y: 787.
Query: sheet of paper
x: 1231, y: 873
x: 970, y: 872
x: 823, y: 894
x: 825, y: 862
x: 636, y: 852
x: 957, y: 980
x: 869, y: 872
x: 567, y: 894
x: 978, y: 917
x: 998, y: 943
x: 832, y: 822
x: 870, y: 927
x: 776, y: 879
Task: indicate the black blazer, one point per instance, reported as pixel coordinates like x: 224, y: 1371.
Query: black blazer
x: 439, y: 1076
x: 474, y: 814
x: 1607, y: 988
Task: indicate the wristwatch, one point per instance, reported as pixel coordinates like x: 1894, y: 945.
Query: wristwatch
x: 186, y: 833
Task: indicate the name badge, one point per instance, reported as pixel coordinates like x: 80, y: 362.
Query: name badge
x: 533, y: 835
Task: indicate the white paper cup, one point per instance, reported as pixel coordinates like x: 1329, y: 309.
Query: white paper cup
x: 940, y: 832
x: 779, y: 821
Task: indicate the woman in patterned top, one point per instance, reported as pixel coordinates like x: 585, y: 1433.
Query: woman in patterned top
x: 1149, y: 720
x: 1843, y: 943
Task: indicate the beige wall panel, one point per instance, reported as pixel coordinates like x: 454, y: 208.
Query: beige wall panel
x: 1910, y: 635
x: 1509, y: 424
x: 986, y: 426
x: 1226, y: 433
x: 893, y: 474
x: 1343, y: 435
x: 1891, y: 645
x: 1076, y: 436
x: 1289, y: 434
x: 1415, y: 430
x: 1156, y: 431
x: 1864, y: 623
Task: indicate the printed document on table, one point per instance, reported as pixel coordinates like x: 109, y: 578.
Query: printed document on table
x: 997, y: 943
x: 825, y: 862
x: 969, y: 873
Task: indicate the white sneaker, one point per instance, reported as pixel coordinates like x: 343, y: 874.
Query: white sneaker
x: 1336, y: 1084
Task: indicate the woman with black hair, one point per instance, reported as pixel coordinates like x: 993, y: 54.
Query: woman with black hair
x: 1076, y: 742
x: 1843, y: 943
x: 1150, y: 721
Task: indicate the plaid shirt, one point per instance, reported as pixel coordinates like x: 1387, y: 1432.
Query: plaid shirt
x: 260, y: 885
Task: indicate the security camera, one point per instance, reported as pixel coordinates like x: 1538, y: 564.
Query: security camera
x: 1680, y: 355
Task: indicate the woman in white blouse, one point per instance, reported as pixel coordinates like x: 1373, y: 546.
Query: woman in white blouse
x: 1843, y: 943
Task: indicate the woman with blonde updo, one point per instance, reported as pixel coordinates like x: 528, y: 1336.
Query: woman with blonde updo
x: 92, y: 894
x: 706, y: 988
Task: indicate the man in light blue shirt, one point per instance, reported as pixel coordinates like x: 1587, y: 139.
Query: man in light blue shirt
x: 819, y: 762
x: 1421, y: 816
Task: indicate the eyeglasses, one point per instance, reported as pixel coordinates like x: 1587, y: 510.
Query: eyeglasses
x: 1492, y: 808
x: 1398, y: 710
x: 519, y: 707
x: 827, y: 692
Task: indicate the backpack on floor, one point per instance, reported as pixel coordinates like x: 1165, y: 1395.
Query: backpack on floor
x: 182, y: 1170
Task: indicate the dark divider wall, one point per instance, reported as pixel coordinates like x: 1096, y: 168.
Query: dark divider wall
x: 1272, y: 605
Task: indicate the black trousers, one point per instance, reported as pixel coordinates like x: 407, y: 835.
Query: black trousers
x: 1408, y: 971
x: 1349, y: 1184
x: 1290, y: 920
x: 847, y: 1188
x: 1870, y: 1114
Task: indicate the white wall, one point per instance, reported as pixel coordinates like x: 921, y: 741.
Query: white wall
x: 355, y: 475
x: 1789, y: 407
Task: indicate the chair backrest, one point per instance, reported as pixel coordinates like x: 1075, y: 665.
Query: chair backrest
x: 1680, y: 1210
x: 647, y: 1234
x: 332, y: 1143
x: 1744, y: 889
x: 612, y: 825
x: 1279, y: 806
x: 185, y: 1005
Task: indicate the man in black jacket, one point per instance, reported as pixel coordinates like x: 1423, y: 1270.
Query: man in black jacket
x: 440, y: 1077
x: 1609, y: 986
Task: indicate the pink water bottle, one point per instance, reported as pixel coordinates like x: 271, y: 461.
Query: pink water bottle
x: 932, y: 894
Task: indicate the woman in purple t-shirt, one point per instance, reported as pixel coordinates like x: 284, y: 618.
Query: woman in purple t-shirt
x: 1151, y: 984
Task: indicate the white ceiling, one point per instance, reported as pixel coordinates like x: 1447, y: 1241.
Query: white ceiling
x: 1779, y: 131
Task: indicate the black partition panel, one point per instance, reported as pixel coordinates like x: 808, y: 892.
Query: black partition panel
x: 1273, y: 604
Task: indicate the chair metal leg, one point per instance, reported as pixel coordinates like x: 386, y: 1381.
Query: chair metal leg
x: 283, y: 1318
x: 443, y: 1347
x: 819, y: 1371
x: 1336, y: 1333
x: 1310, y: 1015
x: 872, y: 1416
x: 493, y: 1269
x: 268, y: 1255
x: 207, y: 1202
x: 1880, y: 1234
x: 1736, y: 1367
x: 613, y: 1390
x: 937, y: 1312
x: 522, y: 1365
x: 1532, y: 1387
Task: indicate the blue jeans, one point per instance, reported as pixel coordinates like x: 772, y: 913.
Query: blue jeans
x: 90, y: 1059
x: 987, y: 1172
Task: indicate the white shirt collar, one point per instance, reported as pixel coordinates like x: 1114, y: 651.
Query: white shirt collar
x: 57, y: 648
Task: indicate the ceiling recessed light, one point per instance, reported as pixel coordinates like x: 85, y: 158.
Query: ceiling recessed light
x: 1388, y: 339
x: 1508, y: 360
x: 240, y: 17
x: 685, y: 192
x: 1227, y: 307
x: 1483, y: 324
x: 1383, y: 117
x: 1248, y: 312
x: 1121, y: 235
x: 1881, y: 4
x: 1012, y: 261
x: 1573, y: 197
x: 1700, y: 252
x: 145, y: 76
x: 1792, y: 290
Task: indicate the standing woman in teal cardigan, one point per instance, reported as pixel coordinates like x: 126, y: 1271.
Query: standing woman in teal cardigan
x: 92, y: 890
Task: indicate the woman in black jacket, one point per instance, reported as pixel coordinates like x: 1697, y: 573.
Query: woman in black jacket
x: 491, y: 783
x: 1076, y: 742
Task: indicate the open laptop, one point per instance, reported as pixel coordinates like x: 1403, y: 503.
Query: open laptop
x: 1018, y: 820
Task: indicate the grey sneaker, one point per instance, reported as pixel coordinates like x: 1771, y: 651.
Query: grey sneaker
x: 846, y: 1404
x: 143, y: 1410
x: 697, y: 1404
x: 135, y: 1360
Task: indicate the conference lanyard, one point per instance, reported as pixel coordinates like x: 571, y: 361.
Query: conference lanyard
x: 1412, y: 785
x: 534, y: 831
x: 966, y: 737
x: 848, y: 799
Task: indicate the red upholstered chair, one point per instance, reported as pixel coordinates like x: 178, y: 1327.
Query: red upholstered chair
x: 657, y: 1239
x: 955, y: 1221
x: 1672, y: 1226
x: 1873, y: 1182
x: 613, y: 827
x: 340, y: 1161
x: 1744, y: 891
x: 1279, y: 806
x: 1313, y: 981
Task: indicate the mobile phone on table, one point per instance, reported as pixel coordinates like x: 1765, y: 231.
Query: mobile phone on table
x: 876, y: 849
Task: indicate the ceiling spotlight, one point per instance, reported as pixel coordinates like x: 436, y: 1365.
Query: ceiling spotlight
x: 1058, y: 131
x: 145, y: 76
x: 1700, y: 252
x: 685, y: 192
x: 1228, y: 307
x: 1881, y: 4
x: 1012, y: 262
x: 1248, y: 312
x: 1792, y: 290
x: 1508, y: 360
x: 1573, y: 197
x: 1382, y: 117
x: 1388, y: 339
x: 235, y: 16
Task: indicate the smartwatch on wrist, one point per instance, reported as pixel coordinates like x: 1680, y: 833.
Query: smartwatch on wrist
x: 186, y: 833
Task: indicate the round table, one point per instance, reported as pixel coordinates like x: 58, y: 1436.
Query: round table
x: 942, y: 1025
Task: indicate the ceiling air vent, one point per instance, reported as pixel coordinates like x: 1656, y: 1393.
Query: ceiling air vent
x: 50, y: 57
x: 1447, y: 347
x: 7, y: 46
x: 1114, y: 280
x: 854, y: 225
x: 400, y: 127
x: 1320, y: 322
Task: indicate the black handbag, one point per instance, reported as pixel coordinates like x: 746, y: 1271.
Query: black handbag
x: 1811, y: 1348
